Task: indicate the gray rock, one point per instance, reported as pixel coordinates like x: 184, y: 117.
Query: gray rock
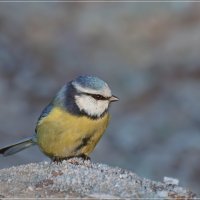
x: 79, y: 178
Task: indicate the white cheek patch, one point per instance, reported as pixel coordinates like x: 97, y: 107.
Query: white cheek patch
x: 91, y: 106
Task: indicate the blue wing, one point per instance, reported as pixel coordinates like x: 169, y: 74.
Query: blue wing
x: 44, y: 113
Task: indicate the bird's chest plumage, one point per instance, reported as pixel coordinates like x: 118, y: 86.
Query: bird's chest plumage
x: 61, y: 134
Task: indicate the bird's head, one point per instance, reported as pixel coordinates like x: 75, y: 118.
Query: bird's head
x: 93, y: 95
x: 87, y: 95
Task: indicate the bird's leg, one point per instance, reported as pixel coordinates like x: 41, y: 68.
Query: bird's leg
x: 57, y: 160
x: 84, y: 157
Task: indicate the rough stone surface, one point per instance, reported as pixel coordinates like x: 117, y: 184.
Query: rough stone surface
x: 77, y: 178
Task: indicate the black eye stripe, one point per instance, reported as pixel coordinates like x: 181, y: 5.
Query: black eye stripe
x: 97, y: 96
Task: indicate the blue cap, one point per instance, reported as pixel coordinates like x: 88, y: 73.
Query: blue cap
x: 92, y: 82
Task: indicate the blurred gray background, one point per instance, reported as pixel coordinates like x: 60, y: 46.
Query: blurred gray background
x: 149, y: 53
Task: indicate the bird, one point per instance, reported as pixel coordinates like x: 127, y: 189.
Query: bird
x: 73, y: 122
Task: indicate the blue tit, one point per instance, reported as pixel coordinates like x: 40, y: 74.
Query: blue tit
x: 73, y: 122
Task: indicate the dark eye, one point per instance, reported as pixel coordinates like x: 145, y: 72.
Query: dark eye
x: 98, y: 97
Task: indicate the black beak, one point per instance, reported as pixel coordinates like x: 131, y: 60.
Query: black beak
x: 113, y: 98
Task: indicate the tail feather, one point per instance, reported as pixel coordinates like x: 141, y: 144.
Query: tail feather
x: 19, y: 146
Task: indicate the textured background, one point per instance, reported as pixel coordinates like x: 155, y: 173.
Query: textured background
x: 149, y: 53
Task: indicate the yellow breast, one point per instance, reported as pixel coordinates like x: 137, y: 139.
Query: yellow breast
x: 61, y: 134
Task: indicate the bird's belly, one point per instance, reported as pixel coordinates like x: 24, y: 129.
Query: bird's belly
x: 63, y: 135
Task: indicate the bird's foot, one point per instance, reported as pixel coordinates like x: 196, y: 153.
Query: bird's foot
x: 73, y: 160
x: 57, y: 160
x: 85, y: 157
x: 77, y: 161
